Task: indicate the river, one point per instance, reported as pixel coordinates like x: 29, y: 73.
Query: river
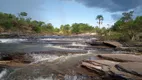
x: 53, y: 58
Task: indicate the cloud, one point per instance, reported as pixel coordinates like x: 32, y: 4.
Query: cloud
x: 112, y: 5
x: 116, y: 7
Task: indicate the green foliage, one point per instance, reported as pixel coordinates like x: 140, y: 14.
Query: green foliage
x: 11, y: 23
x: 113, y: 36
x: 37, y: 29
x: 77, y: 28
x: 65, y: 29
x: 23, y: 14
x: 127, y: 26
x: 127, y: 16
x: 49, y: 27
x: 56, y: 30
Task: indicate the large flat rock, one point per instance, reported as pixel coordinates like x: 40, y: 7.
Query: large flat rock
x: 98, y: 66
x: 113, y: 44
x: 126, y: 70
x: 121, y: 57
x: 134, y: 68
x: 129, y: 76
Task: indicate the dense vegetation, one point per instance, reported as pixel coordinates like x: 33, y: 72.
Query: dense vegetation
x: 126, y: 28
x: 21, y: 24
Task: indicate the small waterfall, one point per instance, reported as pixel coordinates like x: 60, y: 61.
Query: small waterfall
x: 53, y: 56
x: 43, y: 57
x: 50, y: 58
x: 61, y: 47
x: 92, y: 51
x: 78, y: 44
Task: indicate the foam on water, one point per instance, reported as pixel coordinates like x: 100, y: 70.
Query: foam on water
x: 3, y: 73
x: 41, y: 78
x: 66, y: 77
x: 11, y: 40
x: 50, y: 58
x: 78, y: 44
x: 42, y: 57
x: 61, y: 47
x: 62, y: 39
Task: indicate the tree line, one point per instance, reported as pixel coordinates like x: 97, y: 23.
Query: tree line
x: 125, y: 28
x: 21, y: 24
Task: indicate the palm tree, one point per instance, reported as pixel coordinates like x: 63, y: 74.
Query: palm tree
x: 100, y: 18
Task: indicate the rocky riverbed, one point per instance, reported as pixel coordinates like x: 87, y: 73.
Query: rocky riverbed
x: 67, y: 58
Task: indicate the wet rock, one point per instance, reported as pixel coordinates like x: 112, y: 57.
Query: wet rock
x: 108, y: 44
x: 131, y: 49
x: 113, y: 44
x: 95, y: 43
x: 121, y: 57
x: 134, y: 68
x: 111, y: 70
x: 94, y: 68
x: 103, y: 65
x: 6, y: 58
x: 16, y: 57
x: 99, y: 66
x: 104, y: 69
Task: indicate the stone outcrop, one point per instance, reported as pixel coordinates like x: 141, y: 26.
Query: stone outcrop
x: 113, y: 44
x: 121, y: 57
x: 134, y: 68
x: 15, y: 57
x: 120, y: 66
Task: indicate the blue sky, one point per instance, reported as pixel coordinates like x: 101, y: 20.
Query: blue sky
x: 60, y: 12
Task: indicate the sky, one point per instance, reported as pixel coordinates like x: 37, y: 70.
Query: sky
x: 60, y: 12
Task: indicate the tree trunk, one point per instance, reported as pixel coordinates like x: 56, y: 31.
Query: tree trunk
x: 133, y: 38
x: 99, y: 23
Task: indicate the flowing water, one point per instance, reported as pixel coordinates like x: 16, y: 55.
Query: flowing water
x: 53, y: 58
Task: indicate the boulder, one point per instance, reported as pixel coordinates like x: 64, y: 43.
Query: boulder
x: 121, y: 57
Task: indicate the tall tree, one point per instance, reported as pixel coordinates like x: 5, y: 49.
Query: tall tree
x: 128, y: 26
x: 23, y: 14
x: 127, y: 16
x: 100, y: 19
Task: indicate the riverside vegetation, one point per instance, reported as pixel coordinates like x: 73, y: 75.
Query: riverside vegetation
x: 64, y: 58
x: 127, y: 28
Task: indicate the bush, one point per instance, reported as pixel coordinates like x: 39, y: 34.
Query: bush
x: 112, y: 36
x: 124, y: 38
